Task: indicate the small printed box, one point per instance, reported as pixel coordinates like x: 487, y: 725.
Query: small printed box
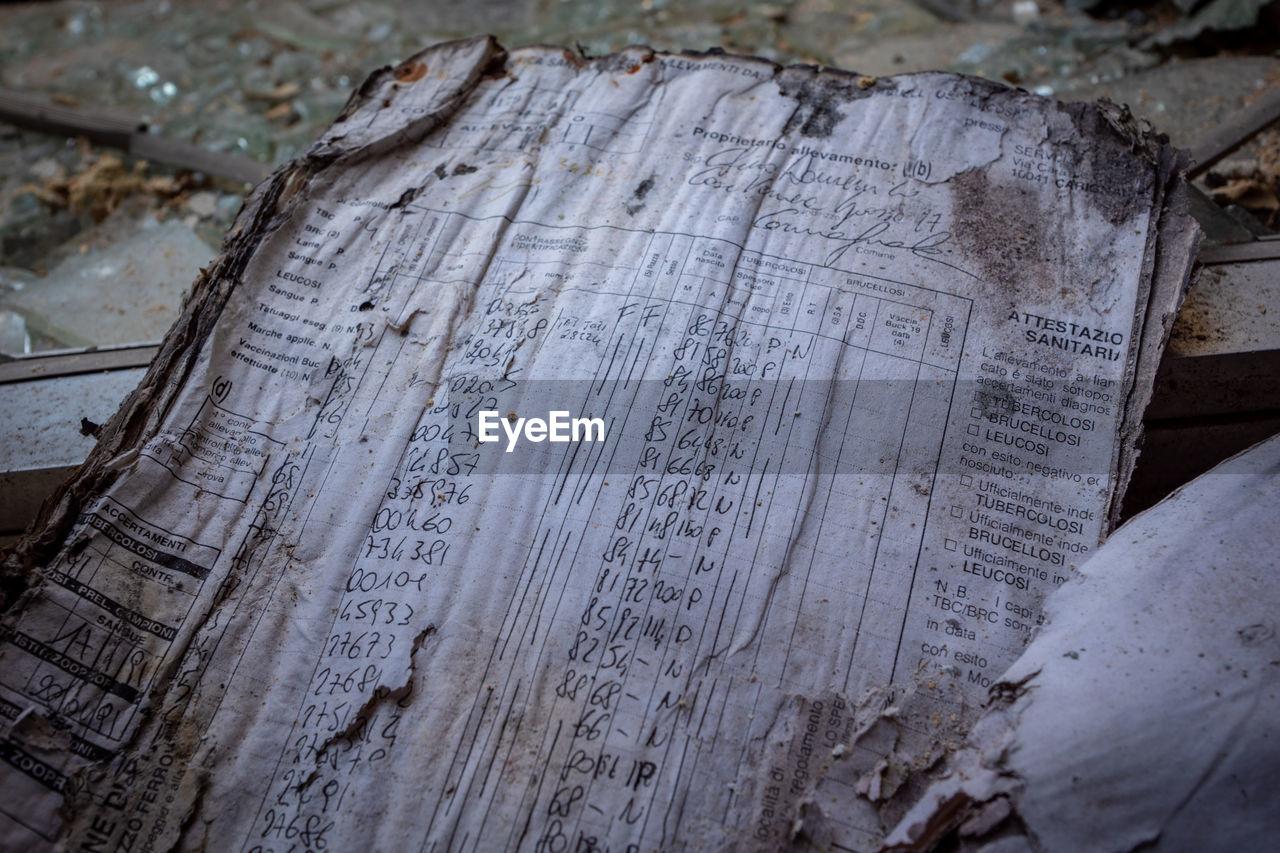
x: 949, y: 544
x: 966, y: 480
x: 973, y: 429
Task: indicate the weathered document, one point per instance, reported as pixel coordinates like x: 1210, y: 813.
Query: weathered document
x: 593, y: 454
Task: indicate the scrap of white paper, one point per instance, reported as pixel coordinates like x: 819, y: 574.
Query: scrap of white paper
x: 1145, y: 714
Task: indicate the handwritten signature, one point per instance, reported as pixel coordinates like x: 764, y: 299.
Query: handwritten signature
x: 746, y: 171
x: 931, y: 247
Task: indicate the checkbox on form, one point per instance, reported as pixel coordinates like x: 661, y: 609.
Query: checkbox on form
x: 957, y: 512
x: 973, y: 429
x: 966, y: 480
x: 949, y: 544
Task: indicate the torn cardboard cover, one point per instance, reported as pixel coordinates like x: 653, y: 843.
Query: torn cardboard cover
x: 867, y: 360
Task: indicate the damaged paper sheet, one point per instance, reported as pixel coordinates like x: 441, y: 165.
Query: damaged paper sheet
x: 1147, y: 714
x: 850, y: 370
